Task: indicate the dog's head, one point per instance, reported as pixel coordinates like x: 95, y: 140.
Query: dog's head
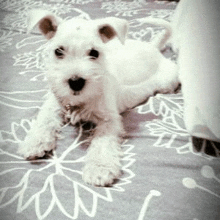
x: 77, y: 52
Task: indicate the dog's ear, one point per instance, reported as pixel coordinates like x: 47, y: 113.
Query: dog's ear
x: 111, y: 27
x: 46, y: 21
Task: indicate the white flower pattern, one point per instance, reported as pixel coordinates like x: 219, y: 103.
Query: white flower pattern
x: 57, y: 168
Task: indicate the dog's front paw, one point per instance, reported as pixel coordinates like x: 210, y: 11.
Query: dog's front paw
x: 103, y: 165
x: 33, y: 147
x: 101, y: 174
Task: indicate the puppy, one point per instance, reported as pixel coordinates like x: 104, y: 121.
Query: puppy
x: 94, y: 74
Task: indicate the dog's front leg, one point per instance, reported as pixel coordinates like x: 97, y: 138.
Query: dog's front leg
x: 102, y: 165
x: 103, y: 158
x: 43, y: 132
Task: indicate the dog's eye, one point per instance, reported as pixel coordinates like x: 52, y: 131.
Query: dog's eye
x: 94, y: 54
x: 59, y: 52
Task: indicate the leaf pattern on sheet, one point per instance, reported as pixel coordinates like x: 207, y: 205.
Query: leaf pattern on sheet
x: 164, y: 14
x: 122, y: 8
x: 79, y: 2
x: 29, y: 60
x: 32, y: 63
x: 18, y: 21
x: 17, y: 132
x: 6, y: 39
x: 163, y: 105
x: 169, y: 128
x: 143, y: 34
x: 22, y: 99
x: 48, y: 173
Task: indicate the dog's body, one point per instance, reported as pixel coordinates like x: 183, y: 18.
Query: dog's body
x: 94, y: 75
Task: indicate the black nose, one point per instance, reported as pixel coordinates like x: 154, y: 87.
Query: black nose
x: 76, y: 84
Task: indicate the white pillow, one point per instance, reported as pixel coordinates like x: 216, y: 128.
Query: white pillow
x: 196, y: 36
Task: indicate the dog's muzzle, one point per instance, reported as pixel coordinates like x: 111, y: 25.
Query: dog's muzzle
x: 76, y: 84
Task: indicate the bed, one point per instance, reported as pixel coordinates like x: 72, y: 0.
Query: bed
x: 166, y: 175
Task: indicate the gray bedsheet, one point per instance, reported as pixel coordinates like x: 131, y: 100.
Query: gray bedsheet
x: 163, y: 177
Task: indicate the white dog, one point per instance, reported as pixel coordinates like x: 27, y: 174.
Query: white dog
x: 94, y: 75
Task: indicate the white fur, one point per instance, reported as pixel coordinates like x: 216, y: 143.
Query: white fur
x: 125, y: 74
